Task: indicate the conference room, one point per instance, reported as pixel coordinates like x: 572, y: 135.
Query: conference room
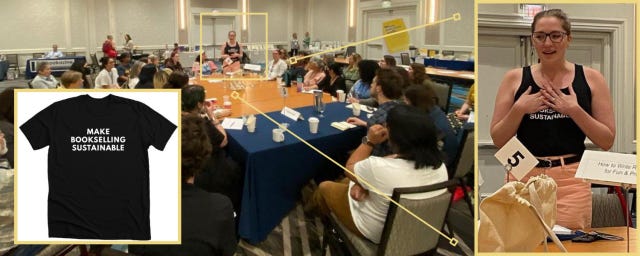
x: 294, y: 97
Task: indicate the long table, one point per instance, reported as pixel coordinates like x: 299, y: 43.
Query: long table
x: 601, y: 245
x: 276, y: 172
x: 460, y: 76
x: 58, y: 65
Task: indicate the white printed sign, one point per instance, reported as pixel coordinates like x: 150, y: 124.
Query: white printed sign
x: 607, y: 168
x: 290, y: 113
x: 516, y: 158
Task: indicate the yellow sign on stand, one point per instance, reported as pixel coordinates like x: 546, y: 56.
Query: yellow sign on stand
x: 398, y: 42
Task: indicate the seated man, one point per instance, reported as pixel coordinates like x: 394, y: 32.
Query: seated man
x: 208, y: 227
x: 415, y: 161
x: 54, y: 53
x: 386, y: 89
x: 44, y: 79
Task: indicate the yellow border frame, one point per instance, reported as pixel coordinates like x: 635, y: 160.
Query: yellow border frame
x: 266, y: 42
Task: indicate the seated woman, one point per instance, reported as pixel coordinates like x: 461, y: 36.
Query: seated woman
x: 108, y: 76
x: 315, y: 74
x: 44, y: 79
x: 207, y: 66
x: 351, y: 73
x: 146, y: 77
x: 423, y: 97
x: 333, y: 81
x: 416, y: 161
x: 362, y: 88
x: 231, y: 52
x: 208, y: 226
x: 387, y: 61
x: 463, y: 112
x: 135, y: 73
x: 173, y: 63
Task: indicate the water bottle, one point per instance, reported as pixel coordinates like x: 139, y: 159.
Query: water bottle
x: 299, y: 83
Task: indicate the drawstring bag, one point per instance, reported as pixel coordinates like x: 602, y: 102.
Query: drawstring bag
x: 517, y: 217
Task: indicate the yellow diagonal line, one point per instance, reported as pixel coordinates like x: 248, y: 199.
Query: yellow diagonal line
x: 452, y: 241
x: 455, y: 17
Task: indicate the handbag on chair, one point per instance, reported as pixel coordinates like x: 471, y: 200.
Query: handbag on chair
x: 517, y: 217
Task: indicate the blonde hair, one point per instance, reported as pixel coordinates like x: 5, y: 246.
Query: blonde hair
x: 70, y: 77
x: 160, y: 79
x: 356, y: 58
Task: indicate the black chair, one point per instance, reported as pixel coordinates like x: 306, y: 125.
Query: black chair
x: 402, y: 233
x: 443, y: 93
x: 404, y: 58
x: 95, y: 66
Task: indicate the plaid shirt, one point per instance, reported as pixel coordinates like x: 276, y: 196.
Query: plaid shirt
x: 380, y: 117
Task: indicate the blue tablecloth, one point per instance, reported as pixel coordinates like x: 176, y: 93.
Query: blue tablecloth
x: 449, y: 64
x: 4, y: 66
x: 58, y: 65
x: 276, y: 172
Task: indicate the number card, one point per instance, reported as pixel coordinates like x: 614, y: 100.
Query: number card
x: 516, y: 158
x: 607, y: 168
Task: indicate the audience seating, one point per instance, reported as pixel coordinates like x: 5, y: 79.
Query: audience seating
x: 402, y: 233
x: 443, y: 93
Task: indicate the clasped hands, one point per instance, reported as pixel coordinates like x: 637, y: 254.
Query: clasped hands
x: 548, y: 97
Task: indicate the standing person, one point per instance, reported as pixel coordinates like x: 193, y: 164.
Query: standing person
x: 295, y: 45
x: 54, y: 53
x: 277, y: 67
x: 44, y: 79
x: 176, y: 48
x: 108, y: 76
x: 231, y: 52
x: 109, y: 47
x: 551, y: 107
x: 307, y: 40
x: 128, y: 44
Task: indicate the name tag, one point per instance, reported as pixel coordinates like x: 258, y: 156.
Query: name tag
x: 516, y: 158
x: 608, y: 168
x: 290, y: 113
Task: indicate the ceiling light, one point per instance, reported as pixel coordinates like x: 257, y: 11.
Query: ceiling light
x: 386, y: 3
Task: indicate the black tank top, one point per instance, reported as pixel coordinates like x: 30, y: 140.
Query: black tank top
x: 229, y: 50
x: 550, y: 133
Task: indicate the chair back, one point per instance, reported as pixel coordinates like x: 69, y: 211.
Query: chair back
x: 70, y: 54
x: 90, y: 81
x: 30, y: 84
x: 12, y: 59
x: 94, y: 59
x: 405, y: 235
x: 463, y: 161
x: 443, y: 93
x: 606, y: 211
x: 404, y: 58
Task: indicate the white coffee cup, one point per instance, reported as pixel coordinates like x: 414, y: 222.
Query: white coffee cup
x: 278, y: 135
x: 356, y: 109
x: 341, y: 95
x: 251, y: 127
x: 313, y: 124
x: 279, y: 80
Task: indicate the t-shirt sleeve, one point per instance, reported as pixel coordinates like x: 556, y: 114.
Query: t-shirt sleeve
x: 363, y: 170
x: 38, y: 128
x: 156, y: 130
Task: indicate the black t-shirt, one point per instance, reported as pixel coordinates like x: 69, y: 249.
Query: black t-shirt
x: 98, y: 165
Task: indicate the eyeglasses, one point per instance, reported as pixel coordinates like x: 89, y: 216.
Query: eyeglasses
x: 555, y: 36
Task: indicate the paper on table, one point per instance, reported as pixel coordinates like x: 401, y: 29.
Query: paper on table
x: 342, y: 125
x: 232, y: 123
x: 364, y: 108
x: 560, y: 230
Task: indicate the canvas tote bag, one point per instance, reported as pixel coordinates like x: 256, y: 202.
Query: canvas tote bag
x: 517, y: 217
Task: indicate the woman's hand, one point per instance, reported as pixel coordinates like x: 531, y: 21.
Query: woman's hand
x: 358, y: 193
x: 560, y: 102
x: 530, y: 103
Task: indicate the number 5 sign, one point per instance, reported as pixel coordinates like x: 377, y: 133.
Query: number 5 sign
x: 516, y: 158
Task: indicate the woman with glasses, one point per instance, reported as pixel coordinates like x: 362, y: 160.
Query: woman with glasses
x: 108, y: 76
x: 551, y: 107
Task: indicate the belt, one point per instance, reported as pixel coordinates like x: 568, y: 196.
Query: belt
x: 552, y: 163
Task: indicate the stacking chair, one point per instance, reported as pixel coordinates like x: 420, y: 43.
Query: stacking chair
x: 404, y: 58
x: 402, y: 233
x: 95, y: 66
x: 12, y: 59
x: 606, y: 211
x: 443, y: 93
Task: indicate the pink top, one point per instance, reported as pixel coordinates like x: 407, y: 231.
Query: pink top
x: 313, y: 78
x: 196, y: 66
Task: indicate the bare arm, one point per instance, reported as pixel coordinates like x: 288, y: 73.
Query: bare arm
x: 507, y: 113
x: 600, y: 127
x: 222, y: 54
x: 376, y: 134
